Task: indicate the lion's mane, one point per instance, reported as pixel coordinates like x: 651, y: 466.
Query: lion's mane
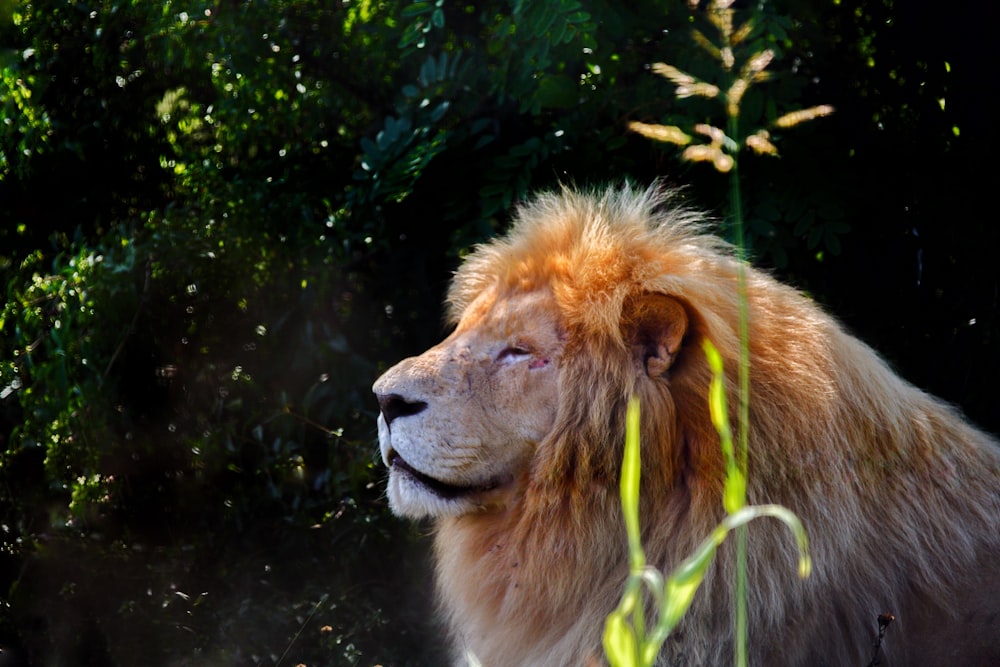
x: 899, y: 494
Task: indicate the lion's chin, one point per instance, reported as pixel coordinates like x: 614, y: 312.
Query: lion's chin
x: 415, y: 494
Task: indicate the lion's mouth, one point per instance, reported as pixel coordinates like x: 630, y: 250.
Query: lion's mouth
x: 436, y: 486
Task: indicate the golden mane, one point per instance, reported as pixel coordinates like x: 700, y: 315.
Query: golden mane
x: 900, y: 496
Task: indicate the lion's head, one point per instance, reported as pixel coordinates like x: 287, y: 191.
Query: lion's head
x: 460, y: 423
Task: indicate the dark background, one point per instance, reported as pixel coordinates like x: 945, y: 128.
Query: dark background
x: 219, y: 222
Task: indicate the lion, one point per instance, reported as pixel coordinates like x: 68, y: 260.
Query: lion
x: 509, y: 436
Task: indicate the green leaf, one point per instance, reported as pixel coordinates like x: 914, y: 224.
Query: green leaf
x: 483, y: 141
x: 734, y: 491
x: 416, y: 9
x: 832, y: 241
x: 631, y: 473
x: 439, y: 111
x: 681, y: 587
x: 783, y: 514
x: 804, y: 223
x: 815, y: 236
x: 619, y: 641
x: 557, y: 91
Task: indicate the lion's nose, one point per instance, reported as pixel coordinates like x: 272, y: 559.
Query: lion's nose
x: 394, y: 405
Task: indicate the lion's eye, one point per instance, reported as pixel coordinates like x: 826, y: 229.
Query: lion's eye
x: 513, y: 353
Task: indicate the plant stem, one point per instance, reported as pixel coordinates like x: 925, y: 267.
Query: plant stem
x: 743, y: 438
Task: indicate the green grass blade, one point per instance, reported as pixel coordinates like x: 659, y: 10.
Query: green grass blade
x: 630, y: 488
x: 620, y: 645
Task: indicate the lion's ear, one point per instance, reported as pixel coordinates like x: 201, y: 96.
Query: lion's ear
x: 654, y: 325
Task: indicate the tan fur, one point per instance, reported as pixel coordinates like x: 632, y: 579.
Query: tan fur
x: 901, y: 498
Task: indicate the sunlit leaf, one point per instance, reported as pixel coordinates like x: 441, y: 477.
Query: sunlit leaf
x: 619, y: 641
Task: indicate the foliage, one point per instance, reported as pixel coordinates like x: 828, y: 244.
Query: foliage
x: 190, y: 329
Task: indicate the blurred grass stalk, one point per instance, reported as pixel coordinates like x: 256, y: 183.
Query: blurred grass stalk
x: 628, y: 639
x: 627, y: 642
